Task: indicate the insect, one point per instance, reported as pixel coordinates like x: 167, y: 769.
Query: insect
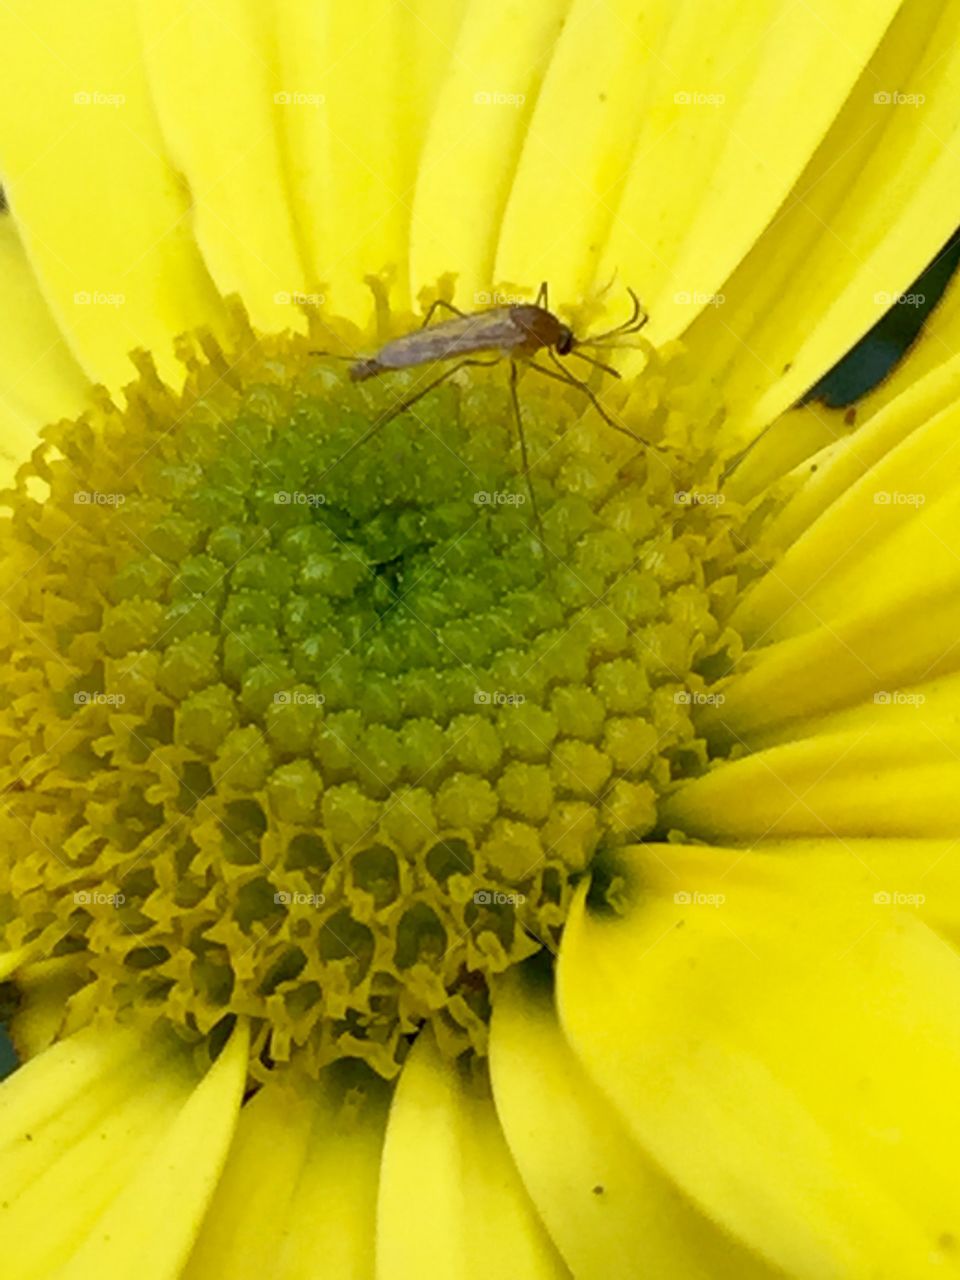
x: 517, y: 332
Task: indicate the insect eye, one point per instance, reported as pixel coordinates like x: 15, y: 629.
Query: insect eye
x: 565, y: 343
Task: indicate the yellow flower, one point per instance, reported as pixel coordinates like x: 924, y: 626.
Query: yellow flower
x: 394, y: 885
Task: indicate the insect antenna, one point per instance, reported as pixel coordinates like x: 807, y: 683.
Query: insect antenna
x: 607, y: 368
x: 638, y: 319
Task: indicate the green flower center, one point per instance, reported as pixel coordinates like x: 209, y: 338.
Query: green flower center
x: 305, y: 725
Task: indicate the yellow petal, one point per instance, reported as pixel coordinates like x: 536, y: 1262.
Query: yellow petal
x: 75, y: 1123
x: 472, y: 147
x: 872, y: 208
x: 844, y: 613
x: 908, y: 489
x: 214, y: 74
x: 44, y: 988
x: 451, y: 1201
x: 580, y: 130
x: 839, y: 466
x: 149, y: 1227
x: 101, y: 212
x: 801, y: 431
x: 702, y: 101
x: 887, y: 767
x: 609, y: 1209
x: 40, y: 379
x: 362, y: 80
x: 313, y: 1157
x: 762, y: 1026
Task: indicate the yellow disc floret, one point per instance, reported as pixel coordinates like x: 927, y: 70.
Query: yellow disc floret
x: 310, y: 727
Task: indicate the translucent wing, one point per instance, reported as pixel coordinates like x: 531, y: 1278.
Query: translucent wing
x: 490, y: 330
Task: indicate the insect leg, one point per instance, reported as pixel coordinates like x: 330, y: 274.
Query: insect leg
x: 403, y: 406
x: 541, y: 299
x: 571, y: 380
x: 523, y: 452
x: 435, y: 306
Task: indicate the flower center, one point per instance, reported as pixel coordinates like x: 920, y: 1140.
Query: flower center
x: 303, y: 722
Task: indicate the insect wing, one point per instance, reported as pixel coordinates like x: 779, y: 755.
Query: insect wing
x: 485, y: 331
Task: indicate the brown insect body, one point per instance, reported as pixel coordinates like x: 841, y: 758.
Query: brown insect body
x: 516, y: 331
